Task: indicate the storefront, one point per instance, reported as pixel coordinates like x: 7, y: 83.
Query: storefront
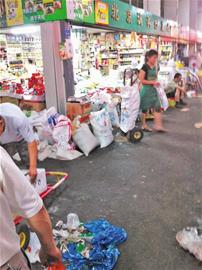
x: 100, y: 38
x: 120, y: 36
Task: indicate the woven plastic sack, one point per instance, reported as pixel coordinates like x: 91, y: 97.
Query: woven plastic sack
x: 85, y: 139
x: 130, y: 106
x: 102, y: 128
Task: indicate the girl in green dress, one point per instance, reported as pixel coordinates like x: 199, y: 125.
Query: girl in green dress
x: 148, y: 96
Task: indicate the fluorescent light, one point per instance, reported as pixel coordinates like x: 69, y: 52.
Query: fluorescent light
x: 30, y: 29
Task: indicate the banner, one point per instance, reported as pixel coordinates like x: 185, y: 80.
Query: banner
x: 43, y: 10
x: 101, y: 13
x: 81, y: 10
x: 14, y: 14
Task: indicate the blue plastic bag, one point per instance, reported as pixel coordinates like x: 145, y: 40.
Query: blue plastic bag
x: 104, y: 253
x: 106, y: 233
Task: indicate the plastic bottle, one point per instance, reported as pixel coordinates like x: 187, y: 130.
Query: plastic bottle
x: 73, y: 221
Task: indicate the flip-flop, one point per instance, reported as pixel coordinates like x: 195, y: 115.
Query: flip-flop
x: 147, y: 130
x: 161, y: 130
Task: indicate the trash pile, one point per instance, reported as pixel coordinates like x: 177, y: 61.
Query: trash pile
x: 60, y: 138
x: 190, y: 239
x: 54, y: 135
x: 90, y: 246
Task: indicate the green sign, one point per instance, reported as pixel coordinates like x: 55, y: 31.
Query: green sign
x: 127, y: 17
x: 120, y: 15
x: 43, y: 10
x: 81, y: 11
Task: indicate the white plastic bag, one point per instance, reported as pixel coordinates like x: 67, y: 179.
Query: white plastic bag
x: 190, y: 240
x: 33, y: 249
x: 102, y: 127
x: 163, y: 98
x: 129, y: 107
x: 85, y: 139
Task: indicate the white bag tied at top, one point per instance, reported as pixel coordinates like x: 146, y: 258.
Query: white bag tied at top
x: 85, y: 139
x: 102, y: 127
x: 130, y: 106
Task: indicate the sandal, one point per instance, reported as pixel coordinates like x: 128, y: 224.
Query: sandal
x: 161, y: 130
x: 147, y: 129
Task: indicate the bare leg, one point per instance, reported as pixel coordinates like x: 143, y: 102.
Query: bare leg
x: 177, y: 95
x: 158, y: 122
x: 144, y: 123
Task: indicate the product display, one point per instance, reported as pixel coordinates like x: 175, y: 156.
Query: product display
x: 101, y: 56
x: 21, y: 66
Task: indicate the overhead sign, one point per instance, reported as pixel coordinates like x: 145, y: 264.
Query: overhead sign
x: 101, y: 13
x: 127, y: 17
x: 43, y: 10
x: 14, y: 14
x: 81, y: 11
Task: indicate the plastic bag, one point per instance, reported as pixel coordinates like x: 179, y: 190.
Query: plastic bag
x: 163, y: 98
x: 85, y: 139
x: 190, y: 240
x: 129, y: 107
x: 33, y: 249
x: 103, y: 253
x: 106, y: 233
x: 102, y: 128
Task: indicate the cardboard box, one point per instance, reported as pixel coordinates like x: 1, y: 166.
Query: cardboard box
x: 32, y: 105
x: 10, y: 100
x: 41, y: 181
x: 77, y: 109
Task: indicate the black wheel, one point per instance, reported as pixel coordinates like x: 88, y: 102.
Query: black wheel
x: 24, y: 235
x: 136, y: 135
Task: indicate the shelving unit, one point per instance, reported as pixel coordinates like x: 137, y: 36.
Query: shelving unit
x: 15, y: 50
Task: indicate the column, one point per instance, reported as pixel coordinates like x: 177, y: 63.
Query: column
x: 53, y: 66
x: 153, y: 6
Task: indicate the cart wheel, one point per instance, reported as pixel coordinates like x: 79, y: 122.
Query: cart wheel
x: 136, y: 135
x: 24, y: 235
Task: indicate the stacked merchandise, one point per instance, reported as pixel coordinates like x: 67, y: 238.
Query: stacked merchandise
x: 101, y: 57
x: 29, y: 94
x: 21, y: 67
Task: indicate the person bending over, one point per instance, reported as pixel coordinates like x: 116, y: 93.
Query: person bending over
x: 17, y: 136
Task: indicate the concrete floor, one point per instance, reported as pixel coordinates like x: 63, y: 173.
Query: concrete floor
x: 152, y: 189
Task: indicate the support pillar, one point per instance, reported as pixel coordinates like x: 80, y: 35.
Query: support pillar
x: 53, y: 66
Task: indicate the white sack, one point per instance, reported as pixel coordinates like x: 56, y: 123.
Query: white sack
x: 102, y: 127
x: 130, y: 106
x: 85, y: 139
x: 62, y: 133
x: 113, y: 114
